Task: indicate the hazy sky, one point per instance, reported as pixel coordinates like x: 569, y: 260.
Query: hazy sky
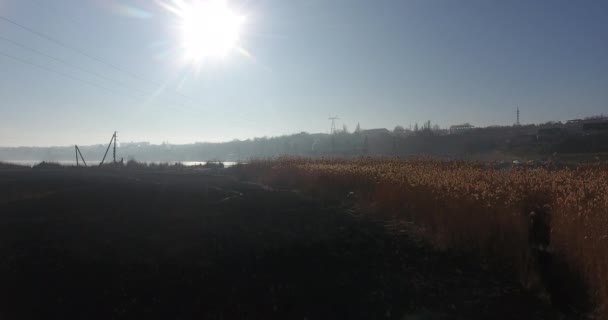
x: 380, y: 63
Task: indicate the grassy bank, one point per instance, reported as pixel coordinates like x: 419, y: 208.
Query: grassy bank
x: 548, y: 225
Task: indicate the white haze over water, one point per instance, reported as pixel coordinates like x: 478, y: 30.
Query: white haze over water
x: 93, y: 163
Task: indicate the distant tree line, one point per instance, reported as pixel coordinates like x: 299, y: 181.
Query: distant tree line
x: 425, y: 139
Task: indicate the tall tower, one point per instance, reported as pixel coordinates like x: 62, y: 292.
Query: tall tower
x: 333, y: 124
x: 517, y: 120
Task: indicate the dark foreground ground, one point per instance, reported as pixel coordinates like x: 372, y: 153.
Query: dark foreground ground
x: 91, y: 244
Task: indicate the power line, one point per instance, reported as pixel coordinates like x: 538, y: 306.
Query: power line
x: 59, y: 60
x: 67, y: 75
x: 116, y: 82
x: 46, y: 7
x: 78, y: 79
x: 83, y: 53
x: 62, y: 44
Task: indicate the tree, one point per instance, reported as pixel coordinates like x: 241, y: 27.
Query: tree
x: 436, y: 127
x: 416, y: 126
x: 427, y: 125
x: 344, y: 128
x: 358, y: 128
x: 600, y: 116
x: 398, y: 129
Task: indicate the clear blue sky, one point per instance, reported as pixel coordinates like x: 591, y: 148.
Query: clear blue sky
x: 380, y: 63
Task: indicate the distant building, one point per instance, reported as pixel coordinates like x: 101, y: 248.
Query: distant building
x: 379, y: 131
x: 596, y: 126
x: 460, y: 128
x: 590, y: 124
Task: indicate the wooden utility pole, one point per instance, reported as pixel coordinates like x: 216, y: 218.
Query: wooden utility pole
x: 114, y: 148
x: 77, y: 150
x: 108, y: 149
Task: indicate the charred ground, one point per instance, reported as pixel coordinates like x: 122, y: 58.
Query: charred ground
x: 180, y: 244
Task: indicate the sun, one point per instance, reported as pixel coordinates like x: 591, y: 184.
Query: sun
x: 208, y: 29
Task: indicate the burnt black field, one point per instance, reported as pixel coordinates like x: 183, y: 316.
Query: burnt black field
x: 100, y: 243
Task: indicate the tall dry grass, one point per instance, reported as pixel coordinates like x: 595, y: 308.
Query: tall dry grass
x: 549, y: 225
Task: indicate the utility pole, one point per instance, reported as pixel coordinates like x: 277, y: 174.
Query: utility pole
x: 77, y: 151
x: 517, y: 122
x: 333, y: 124
x: 113, y: 140
x: 114, y: 147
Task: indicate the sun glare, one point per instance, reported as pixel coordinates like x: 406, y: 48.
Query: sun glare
x: 209, y: 29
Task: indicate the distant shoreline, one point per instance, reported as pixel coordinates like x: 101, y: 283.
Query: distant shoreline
x: 31, y: 163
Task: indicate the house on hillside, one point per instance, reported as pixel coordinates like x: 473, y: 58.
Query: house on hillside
x: 589, y: 125
x: 461, y: 128
x: 596, y: 126
x: 376, y: 132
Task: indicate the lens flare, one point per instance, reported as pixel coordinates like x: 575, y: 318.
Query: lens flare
x: 208, y: 29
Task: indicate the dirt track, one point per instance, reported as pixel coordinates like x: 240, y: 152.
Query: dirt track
x: 179, y: 245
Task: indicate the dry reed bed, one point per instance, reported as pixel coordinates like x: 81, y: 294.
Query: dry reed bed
x: 472, y: 206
